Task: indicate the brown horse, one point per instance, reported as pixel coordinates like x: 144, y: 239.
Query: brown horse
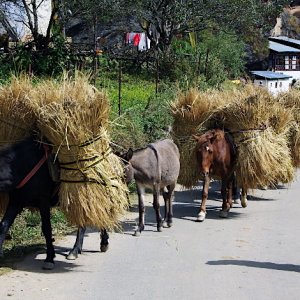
x: 216, y: 156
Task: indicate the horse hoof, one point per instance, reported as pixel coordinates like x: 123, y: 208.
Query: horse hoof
x: 104, y: 248
x: 72, y: 256
x: 159, y: 229
x: 170, y: 224
x: 223, y: 214
x: 244, y: 203
x: 201, y: 216
x: 165, y: 225
x: 48, y: 265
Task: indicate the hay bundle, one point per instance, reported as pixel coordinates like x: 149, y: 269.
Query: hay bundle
x: 261, y: 126
x: 16, y: 117
x: 91, y: 192
x: 261, y: 137
x: 193, y: 112
x: 291, y: 101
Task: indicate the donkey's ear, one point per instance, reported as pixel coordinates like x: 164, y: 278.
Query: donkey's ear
x: 129, y: 154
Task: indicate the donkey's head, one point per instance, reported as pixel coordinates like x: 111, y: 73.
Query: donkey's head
x: 128, y: 170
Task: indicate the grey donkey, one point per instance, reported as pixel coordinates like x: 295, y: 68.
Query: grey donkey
x: 156, y: 167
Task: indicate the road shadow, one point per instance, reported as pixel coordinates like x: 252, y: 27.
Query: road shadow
x: 187, y: 202
x: 256, y: 264
x: 33, y: 262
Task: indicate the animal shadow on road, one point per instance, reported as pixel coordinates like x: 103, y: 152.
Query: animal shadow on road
x: 187, y: 203
x: 32, y: 262
x: 256, y: 264
x: 129, y: 225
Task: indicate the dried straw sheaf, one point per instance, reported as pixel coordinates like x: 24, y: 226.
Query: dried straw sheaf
x: 260, y: 124
x: 291, y: 101
x: 193, y: 113
x: 92, y: 191
x: 16, y: 117
x: 260, y: 127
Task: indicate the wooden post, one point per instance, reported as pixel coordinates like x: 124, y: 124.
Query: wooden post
x: 206, y: 63
x: 95, y: 52
x: 156, y: 77
x: 120, y: 86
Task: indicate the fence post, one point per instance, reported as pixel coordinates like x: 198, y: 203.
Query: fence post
x: 120, y: 86
x: 156, y: 77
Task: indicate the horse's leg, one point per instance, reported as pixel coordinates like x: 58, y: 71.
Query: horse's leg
x: 77, y: 248
x: 104, y: 245
x: 47, y: 231
x: 11, y: 212
x: 168, y: 197
x: 235, y: 190
x: 156, y: 193
x: 202, y: 213
x: 244, y: 197
x: 141, y: 226
x: 226, y: 192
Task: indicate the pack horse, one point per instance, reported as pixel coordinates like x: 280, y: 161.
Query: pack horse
x: 216, y: 157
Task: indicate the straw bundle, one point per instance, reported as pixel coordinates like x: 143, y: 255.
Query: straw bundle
x: 260, y: 134
x: 260, y: 125
x: 16, y: 117
x: 291, y: 101
x: 193, y: 113
x: 91, y: 192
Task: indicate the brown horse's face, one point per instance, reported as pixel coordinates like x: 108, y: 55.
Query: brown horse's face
x: 204, y: 152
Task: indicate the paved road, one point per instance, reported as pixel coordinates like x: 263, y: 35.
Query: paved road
x: 254, y: 254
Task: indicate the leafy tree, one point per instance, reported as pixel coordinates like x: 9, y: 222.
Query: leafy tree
x: 164, y: 19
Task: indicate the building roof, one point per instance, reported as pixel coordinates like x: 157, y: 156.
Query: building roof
x: 277, y: 47
x: 286, y: 39
x: 270, y: 75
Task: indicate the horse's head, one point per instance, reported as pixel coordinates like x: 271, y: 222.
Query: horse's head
x: 128, y: 170
x: 205, y: 150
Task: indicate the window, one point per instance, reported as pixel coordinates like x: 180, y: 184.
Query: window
x: 275, y: 85
x: 280, y: 84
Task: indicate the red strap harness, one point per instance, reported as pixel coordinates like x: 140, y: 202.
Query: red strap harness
x: 35, y: 168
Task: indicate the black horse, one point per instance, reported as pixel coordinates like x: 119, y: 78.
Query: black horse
x: 25, y: 175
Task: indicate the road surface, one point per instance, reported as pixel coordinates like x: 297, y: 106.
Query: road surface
x: 254, y: 254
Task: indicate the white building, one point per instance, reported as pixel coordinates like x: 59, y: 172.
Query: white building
x: 284, y: 56
x: 274, y: 82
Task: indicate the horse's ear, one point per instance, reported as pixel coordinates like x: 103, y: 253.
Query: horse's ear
x: 196, y: 137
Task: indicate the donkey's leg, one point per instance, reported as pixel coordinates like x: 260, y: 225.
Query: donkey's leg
x: 202, y: 213
x: 77, y: 248
x: 168, y: 197
x: 11, y: 212
x: 47, y: 231
x: 165, y: 191
x: 156, y: 193
x: 244, y: 197
x: 104, y: 245
x: 141, y: 226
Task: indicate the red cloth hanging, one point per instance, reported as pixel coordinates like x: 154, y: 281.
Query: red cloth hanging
x: 136, y: 39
